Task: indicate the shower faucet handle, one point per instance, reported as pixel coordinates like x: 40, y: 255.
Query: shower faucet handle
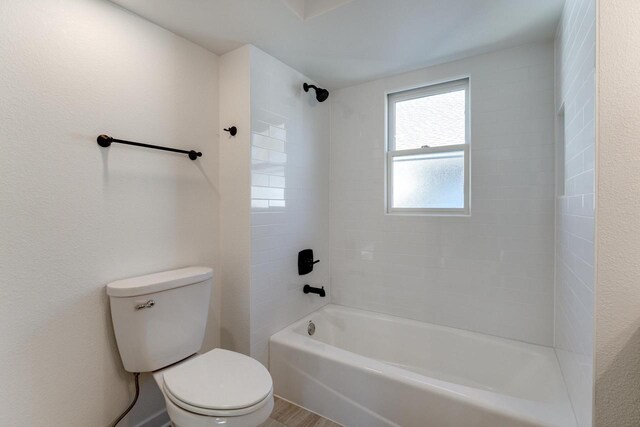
x: 306, y: 261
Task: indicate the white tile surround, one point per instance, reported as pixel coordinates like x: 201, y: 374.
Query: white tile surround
x: 575, y: 75
x: 491, y: 272
x: 290, y: 197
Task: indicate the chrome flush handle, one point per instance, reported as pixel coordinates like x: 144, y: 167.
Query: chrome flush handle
x: 147, y: 304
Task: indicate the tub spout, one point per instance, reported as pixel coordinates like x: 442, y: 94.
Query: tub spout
x: 310, y: 289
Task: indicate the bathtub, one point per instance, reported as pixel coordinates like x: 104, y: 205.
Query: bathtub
x: 363, y: 369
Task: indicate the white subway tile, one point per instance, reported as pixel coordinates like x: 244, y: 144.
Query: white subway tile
x: 454, y: 271
x: 290, y: 191
x: 574, y: 261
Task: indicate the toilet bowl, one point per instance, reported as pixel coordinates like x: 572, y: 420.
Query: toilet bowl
x: 217, y: 388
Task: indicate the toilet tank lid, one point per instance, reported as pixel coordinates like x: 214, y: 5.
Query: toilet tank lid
x: 158, y: 282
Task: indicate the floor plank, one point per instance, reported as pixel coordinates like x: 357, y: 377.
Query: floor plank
x: 287, y: 414
x: 272, y: 423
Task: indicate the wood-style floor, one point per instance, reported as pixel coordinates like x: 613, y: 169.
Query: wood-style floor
x: 287, y: 414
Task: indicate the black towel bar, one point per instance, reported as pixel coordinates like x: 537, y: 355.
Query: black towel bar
x: 106, y: 140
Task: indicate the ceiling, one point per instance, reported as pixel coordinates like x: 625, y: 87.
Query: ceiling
x: 340, y: 43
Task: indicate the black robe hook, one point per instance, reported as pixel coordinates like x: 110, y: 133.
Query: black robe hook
x: 232, y: 130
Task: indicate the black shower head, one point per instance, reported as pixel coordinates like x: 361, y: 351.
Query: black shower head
x: 321, y: 94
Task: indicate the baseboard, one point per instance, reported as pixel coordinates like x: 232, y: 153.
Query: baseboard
x: 159, y: 419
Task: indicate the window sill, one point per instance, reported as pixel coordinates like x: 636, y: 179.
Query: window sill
x: 430, y: 214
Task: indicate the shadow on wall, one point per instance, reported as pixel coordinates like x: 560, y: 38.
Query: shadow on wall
x: 226, y: 337
x: 621, y: 397
x: 146, y: 409
x: 113, y: 358
x: 59, y: 333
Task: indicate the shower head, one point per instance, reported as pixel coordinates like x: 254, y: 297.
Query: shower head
x: 321, y: 94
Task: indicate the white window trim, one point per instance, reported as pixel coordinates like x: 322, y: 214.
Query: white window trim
x: 431, y: 90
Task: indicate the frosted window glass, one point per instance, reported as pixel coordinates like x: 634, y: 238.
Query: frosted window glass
x: 429, y: 181
x: 433, y: 121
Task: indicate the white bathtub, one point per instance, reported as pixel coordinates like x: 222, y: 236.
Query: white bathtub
x: 364, y: 369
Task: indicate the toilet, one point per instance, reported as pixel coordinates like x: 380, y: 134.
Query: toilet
x: 159, y: 322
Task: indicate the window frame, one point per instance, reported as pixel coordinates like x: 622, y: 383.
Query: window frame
x: 391, y: 153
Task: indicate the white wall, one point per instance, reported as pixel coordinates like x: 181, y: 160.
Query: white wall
x: 617, y: 342
x: 491, y: 272
x: 290, y: 197
x: 575, y: 93
x: 235, y: 203
x: 75, y: 216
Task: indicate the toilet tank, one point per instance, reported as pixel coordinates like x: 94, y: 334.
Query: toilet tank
x: 160, y: 318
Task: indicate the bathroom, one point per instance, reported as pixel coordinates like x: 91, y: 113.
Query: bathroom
x: 361, y: 212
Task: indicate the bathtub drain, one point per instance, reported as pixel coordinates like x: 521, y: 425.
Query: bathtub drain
x: 311, y: 329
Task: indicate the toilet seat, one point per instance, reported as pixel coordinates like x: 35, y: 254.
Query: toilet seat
x: 219, y: 412
x: 219, y: 383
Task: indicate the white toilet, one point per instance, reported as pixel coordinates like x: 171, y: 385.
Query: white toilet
x: 159, y: 322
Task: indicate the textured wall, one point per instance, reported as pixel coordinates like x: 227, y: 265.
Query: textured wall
x: 235, y: 203
x: 74, y: 216
x: 491, y: 272
x: 617, y: 393
x: 290, y: 197
x: 575, y: 94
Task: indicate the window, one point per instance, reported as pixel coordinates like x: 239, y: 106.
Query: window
x: 428, y: 150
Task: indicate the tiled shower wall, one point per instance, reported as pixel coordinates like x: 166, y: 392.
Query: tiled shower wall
x: 289, y: 197
x: 490, y: 272
x: 575, y: 74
